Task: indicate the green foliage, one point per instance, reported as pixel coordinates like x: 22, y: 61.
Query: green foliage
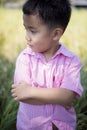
x: 12, y: 41
x: 8, y: 108
x: 81, y: 110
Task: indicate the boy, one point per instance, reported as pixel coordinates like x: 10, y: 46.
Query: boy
x: 47, y: 75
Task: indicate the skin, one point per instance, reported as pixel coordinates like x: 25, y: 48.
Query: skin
x: 43, y: 40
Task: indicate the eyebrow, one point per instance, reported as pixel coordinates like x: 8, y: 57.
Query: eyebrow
x: 29, y: 27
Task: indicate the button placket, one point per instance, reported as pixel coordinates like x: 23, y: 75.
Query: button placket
x: 47, y: 74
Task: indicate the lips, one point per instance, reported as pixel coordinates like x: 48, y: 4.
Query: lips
x: 29, y: 45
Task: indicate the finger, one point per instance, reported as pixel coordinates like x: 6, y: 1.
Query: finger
x: 67, y: 107
x: 13, y: 85
x: 14, y: 95
x: 13, y: 90
x: 72, y: 104
x: 16, y: 99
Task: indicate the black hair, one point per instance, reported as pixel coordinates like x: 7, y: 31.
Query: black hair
x: 53, y: 13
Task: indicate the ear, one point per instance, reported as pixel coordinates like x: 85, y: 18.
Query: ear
x: 57, y: 33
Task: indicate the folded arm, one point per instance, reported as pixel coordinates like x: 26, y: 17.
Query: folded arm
x: 38, y: 96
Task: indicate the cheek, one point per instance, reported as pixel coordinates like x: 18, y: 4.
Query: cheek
x: 41, y: 40
x: 37, y: 40
x: 40, y: 45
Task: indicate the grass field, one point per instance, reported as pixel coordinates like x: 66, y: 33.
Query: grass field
x: 12, y: 41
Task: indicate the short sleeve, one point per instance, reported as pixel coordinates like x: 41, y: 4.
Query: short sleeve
x: 22, y: 69
x: 71, y: 79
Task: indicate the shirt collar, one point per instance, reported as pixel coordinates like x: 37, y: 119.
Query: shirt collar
x: 62, y: 50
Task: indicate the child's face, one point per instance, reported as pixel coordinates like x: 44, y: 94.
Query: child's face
x: 38, y: 36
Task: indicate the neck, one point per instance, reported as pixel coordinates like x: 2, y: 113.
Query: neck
x: 50, y: 53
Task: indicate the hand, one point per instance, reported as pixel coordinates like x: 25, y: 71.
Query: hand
x: 20, y: 91
x: 70, y: 105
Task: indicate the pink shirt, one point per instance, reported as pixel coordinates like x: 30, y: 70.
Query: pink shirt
x: 63, y: 71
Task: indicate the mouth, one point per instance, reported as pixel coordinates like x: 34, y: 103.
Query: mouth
x: 29, y: 45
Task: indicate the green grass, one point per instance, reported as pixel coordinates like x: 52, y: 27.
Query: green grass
x: 12, y: 41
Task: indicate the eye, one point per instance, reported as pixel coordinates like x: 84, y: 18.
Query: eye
x: 30, y: 29
x: 33, y: 31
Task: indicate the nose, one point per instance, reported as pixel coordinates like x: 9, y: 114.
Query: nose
x: 28, y: 37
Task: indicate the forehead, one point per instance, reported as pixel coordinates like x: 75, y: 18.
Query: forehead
x: 32, y: 20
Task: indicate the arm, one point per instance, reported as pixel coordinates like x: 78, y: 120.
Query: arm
x: 62, y: 96
x: 36, y: 95
x: 59, y: 96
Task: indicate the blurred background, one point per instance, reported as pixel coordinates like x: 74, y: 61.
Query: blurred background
x: 12, y: 41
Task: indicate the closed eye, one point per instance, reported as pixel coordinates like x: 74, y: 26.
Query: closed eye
x: 31, y: 29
